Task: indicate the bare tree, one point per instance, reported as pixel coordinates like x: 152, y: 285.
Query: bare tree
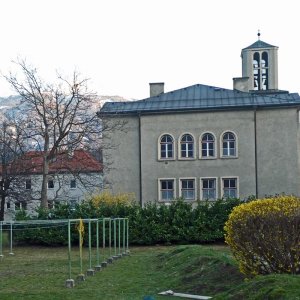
x: 11, y: 149
x: 59, y: 118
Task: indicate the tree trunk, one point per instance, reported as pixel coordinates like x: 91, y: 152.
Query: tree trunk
x: 2, y: 205
x: 44, y: 191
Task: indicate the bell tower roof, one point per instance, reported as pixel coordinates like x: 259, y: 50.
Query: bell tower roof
x: 260, y: 44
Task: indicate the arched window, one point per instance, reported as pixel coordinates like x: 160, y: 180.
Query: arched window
x: 256, y: 71
x: 260, y: 71
x: 187, y: 146
x: 207, y: 145
x: 264, y: 71
x: 256, y: 60
x: 229, y: 144
x: 166, y: 146
x: 264, y: 61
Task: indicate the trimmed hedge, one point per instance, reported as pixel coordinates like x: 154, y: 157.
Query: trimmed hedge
x: 177, y: 223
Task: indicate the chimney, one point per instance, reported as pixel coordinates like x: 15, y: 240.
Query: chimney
x: 241, y: 84
x: 156, y: 88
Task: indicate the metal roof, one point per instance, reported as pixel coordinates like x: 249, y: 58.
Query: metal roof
x: 201, y: 97
x: 260, y: 44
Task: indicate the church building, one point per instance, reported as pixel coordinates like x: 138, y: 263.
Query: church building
x: 204, y: 142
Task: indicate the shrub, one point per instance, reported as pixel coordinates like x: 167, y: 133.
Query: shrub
x: 264, y: 235
x: 152, y: 224
x: 110, y: 199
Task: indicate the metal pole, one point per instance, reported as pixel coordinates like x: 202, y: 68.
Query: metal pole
x: 119, y: 235
x: 97, y: 242
x: 80, y: 251
x: 109, y: 232
x: 103, y: 236
x: 124, y: 223
x: 127, y: 235
x: 69, y: 248
x: 90, y: 245
x: 1, y: 255
x: 11, y: 238
x: 115, y: 237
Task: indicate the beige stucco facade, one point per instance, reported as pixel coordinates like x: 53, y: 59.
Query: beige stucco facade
x: 267, y: 160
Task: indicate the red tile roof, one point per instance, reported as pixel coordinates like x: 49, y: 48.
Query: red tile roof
x: 80, y: 161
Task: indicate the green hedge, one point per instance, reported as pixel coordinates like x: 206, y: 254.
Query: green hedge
x: 176, y: 223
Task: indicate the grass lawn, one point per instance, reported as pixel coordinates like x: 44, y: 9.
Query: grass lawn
x: 41, y: 272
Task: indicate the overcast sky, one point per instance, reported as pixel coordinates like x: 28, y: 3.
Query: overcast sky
x: 122, y: 45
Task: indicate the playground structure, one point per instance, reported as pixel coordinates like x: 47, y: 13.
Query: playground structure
x: 108, y: 241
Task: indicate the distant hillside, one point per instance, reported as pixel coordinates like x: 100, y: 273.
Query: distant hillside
x: 11, y: 104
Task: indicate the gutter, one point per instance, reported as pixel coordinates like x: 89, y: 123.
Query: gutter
x: 255, y: 154
x: 195, y: 110
x: 140, y: 161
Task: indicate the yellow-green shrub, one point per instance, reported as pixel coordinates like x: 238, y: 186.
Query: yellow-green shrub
x: 264, y: 235
x: 112, y: 199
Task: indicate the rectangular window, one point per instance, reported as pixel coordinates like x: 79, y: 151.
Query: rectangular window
x: 187, y: 189
x: 8, y: 205
x: 230, y: 188
x: 209, y: 188
x: 53, y: 204
x: 73, y: 184
x: 50, y: 184
x: 28, y: 184
x: 72, y: 203
x: 20, y: 205
x: 166, y: 189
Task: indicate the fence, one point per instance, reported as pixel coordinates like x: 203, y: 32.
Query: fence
x: 109, y: 234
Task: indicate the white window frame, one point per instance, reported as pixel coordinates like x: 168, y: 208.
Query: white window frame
x: 8, y: 205
x: 159, y: 148
x: 237, y: 185
x: 159, y: 189
x: 215, y: 146
x: 216, y: 188
x: 72, y: 202
x: 53, y: 203
x: 195, y: 187
x: 179, y: 147
x: 236, y: 145
x: 22, y: 206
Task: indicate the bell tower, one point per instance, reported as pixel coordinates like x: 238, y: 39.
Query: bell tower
x: 259, y: 68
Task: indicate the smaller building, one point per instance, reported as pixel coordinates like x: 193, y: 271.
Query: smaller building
x: 72, y: 178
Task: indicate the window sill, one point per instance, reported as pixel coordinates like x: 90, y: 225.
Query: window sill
x: 208, y: 200
x: 168, y: 202
x: 186, y: 158
x: 166, y: 159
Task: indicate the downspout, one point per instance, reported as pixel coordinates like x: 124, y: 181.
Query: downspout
x: 140, y: 160
x: 255, y: 153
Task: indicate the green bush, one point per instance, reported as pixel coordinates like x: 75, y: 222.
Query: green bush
x: 264, y: 235
x: 154, y: 223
